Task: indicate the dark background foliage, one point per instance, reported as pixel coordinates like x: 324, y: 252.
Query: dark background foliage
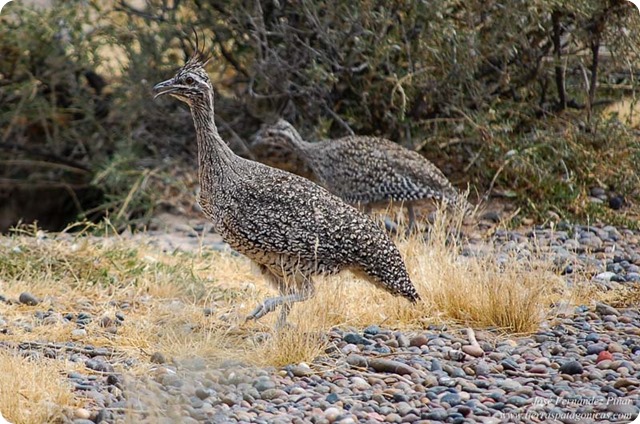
x: 514, y: 98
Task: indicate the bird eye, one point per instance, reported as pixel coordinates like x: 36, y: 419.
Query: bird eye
x: 189, y: 80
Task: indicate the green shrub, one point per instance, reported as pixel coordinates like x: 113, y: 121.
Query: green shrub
x: 507, y: 96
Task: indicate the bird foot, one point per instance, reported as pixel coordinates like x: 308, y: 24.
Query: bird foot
x: 283, y: 326
x: 390, y: 226
x: 269, y: 305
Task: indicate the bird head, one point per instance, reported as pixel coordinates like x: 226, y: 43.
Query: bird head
x: 190, y: 84
x: 284, y: 131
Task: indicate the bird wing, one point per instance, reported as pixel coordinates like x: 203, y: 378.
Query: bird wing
x: 415, y: 172
x: 289, y: 215
x: 370, y: 169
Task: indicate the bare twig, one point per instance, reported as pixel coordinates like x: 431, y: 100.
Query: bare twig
x: 471, y: 335
x: 52, y: 157
x: 557, y: 48
x: 338, y: 119
x: 229, y: 57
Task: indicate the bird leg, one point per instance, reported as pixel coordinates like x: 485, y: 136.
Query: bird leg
x: 286, y: 300
x: 412, y: 219
x: 389, y: 225
x: 270, y: 305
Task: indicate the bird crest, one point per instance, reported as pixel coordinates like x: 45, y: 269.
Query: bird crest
x: 198, y: 58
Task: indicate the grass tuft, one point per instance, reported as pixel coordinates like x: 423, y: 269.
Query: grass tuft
x: 511, y: 291
x: 33, y: 391
x: 290, y: 345
x: 164, y: 296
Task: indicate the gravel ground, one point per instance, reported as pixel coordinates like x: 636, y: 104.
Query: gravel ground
x: 582, y: 366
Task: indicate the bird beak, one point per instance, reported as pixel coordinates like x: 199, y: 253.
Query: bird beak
x: 165, y: 87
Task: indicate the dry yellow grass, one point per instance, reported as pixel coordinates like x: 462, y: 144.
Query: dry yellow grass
x: 33, y: 391
x: 627, y: 111
x: 163, y: 296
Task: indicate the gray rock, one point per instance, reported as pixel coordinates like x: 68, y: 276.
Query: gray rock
x: 271, y: 394
x: 27, y: 298
x: 158, y: 358
x: 78, y: 333
x: 623, y: 407
x: 99, y: 365
x: 403, y: 341
x: 372, y: 330
x: 452, y: 399
x: 356, y: 339
x: 332, y: 398
x: 592, y: 337
x: 604, y: 309
x: 482, y: 369
x: 572, y: 368
x: 437, y: 415
x: 172, y: 380
x: 419, y: 340
x: 595, y: 348
x: 301, y: 370
x: 264, y: 384
x: 104, y: 416
x: 517, y: 401
x: 510, y: 385
x: 509, y: 364
x: 202, y: 393
x: 605, y: 276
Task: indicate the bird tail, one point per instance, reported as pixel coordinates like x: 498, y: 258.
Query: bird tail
x: 389, y: 272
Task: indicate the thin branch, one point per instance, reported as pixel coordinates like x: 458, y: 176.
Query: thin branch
x: 45, y: 155
x: 12, y: 182
x: 338, y: 119
x: 557, y: 48
x: 229, y: 57
x: 598, y: 27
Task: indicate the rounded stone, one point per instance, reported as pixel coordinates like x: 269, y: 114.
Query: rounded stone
x: 517, y: 401
x: 264, y: 384
x: 100, y: 366
x: 372, y: 330
x: 473, y: 350
x: 202, y: 393
x: 595, y: 348
x: 615, y: 347
x: 78, y: 333
x: 572, y: 368
x: 452, y: 399
x: 332, y: 414
x: 82, y: 414
x: 27, y: 298
x: 158, y: 358
x: 437, y: 415
x: 356, y: 339
x: 511, y: 385
x: 301, y: 370
x: 419, y: 340
x: 604, y: 356
x: 332, y: 398
x: 592, y: 337
x: 106, y: 321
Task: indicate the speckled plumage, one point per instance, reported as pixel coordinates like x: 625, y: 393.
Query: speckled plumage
x: 292, y: 228
x: 275, y: 154
x: 367, y: 170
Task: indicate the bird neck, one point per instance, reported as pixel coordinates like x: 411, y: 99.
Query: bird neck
x: 299, y: 144
x: 213, y: 153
